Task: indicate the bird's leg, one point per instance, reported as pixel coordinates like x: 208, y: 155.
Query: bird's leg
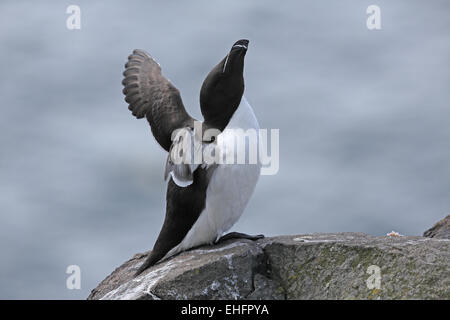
x: 238, y: 235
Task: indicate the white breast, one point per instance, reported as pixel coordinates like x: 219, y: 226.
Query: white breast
x: 229, y: 189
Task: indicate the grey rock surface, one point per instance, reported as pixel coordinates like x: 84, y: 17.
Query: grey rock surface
x: 440, y: 230
x: 314, y: 266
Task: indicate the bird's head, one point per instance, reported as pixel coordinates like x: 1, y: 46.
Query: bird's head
x: 223, y: 87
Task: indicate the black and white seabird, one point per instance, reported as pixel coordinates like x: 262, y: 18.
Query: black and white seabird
x: 203, y: 201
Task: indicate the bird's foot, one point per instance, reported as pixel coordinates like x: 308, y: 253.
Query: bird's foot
x: 239, y: 235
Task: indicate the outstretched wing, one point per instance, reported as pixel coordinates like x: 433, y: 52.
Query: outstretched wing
x: 152, y: 95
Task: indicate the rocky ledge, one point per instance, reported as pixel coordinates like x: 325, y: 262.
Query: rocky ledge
x: 313, y: 266
x: 440, y: 230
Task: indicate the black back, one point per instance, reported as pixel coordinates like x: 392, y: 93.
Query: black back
x: 183, y: 208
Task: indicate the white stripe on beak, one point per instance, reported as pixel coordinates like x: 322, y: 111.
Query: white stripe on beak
x: 240, y: 46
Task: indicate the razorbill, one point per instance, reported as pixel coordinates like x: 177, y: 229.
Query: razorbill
x: 203, y: 200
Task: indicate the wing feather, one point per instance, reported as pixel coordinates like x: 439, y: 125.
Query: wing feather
x: 149, y: 94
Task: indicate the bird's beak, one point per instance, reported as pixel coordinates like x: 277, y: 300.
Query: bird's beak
x: 238, y: 49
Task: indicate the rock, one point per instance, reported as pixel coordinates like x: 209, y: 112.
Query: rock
x: 440, y: 230
x: 219, y: 272
x: 314, y: 266
x: 337, y: 266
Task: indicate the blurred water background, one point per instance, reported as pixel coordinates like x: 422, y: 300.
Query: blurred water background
x: 363, y: 118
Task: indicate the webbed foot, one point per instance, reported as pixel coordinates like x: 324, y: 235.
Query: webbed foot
x: 239, y: 235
